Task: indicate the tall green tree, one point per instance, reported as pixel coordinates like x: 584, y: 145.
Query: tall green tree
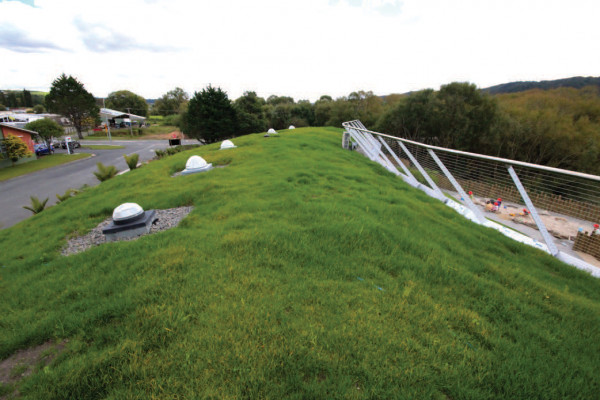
x: 172, y: 102
x: 250, y: 115
x: 12, y: 100
x: 68, y: 97
x: 46, y: 128
x: 27, y: 101
x: 466, y: 116
x: 413, y: 117
x: 126, y: 101
x: 322, y: 110
x: 458, y: 116
x: 210, y: 116
x: 280, y: 116
x: 303, y: 114
x: 361, y: 105
x: 276, y: 100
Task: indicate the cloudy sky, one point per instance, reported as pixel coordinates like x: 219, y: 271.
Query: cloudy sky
x: 299, y: 48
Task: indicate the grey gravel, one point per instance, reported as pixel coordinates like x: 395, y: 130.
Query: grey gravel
x: 167, y: 219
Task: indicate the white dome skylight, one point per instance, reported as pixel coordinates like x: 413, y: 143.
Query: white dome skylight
x: 271, y: 131
x: 227, y: 144
x: 196, y: 164
x: 127, y: 211
x: 292, y: 127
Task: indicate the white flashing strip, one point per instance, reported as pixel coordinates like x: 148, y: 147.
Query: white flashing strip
x: 519, y: 237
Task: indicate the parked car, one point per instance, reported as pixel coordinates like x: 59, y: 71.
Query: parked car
x: 42, y: 149
x: 74, y: 144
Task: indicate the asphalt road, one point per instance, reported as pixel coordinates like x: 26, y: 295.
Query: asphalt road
x: 14, y: 193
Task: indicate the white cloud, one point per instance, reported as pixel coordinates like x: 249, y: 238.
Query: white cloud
x: 302, y: 49
x: 14, y: 39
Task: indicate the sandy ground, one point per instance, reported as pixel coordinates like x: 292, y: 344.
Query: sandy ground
x: 559, y: 226
x: 562, y: 227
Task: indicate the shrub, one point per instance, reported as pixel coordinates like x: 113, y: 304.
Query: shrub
x: 169, y: 151
x: 131, y: 160
x: 105, y: 172
x: 171, y: 120
x: 15, y: 148
x: 37, y: 206
x: 69, y: 193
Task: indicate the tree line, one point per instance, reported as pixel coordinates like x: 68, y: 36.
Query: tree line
x: 18, y: 98
x: 557, y: 127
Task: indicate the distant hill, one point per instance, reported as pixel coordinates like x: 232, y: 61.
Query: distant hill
x: 521, y: 86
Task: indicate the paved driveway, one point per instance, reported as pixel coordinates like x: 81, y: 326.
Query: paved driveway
x: 15, y: 193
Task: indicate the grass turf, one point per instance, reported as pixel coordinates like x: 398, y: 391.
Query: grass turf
x: 39, y: 164
x: 304, y: 271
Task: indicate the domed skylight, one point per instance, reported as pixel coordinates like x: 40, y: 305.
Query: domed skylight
x: 271, y: 131
x: 126, y: 212
x: 227, y: 144
x: 292, y: 127
x: 196, y: 164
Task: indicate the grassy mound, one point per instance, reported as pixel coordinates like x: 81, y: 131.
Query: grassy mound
x: 304, y: 271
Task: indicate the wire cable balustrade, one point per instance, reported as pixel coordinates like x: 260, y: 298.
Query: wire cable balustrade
x: 555, y: 210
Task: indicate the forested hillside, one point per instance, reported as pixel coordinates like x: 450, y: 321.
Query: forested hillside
x: 558, y: 127
x: 576, y: 82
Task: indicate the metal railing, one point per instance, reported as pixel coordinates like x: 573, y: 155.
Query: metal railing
x: 554, y: 210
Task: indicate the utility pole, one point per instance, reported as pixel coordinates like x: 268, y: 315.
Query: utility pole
x: 107, y: 123
x: 130, y: 122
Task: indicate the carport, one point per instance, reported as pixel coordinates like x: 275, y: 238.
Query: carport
x: 108, y: 115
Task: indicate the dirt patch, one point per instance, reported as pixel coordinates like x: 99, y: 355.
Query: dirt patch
x: 23, y: 363
x: 559, y: 226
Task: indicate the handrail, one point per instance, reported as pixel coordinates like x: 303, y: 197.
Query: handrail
x: 481, y: 156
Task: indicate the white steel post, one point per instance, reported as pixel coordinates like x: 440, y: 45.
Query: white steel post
x: 404, y: 168
x: 421, y: 170
x: 534, y: 214
x: 457, y: 186
x: 373, y: 152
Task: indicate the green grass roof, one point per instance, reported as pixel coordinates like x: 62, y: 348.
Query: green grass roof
x: 304, y: 271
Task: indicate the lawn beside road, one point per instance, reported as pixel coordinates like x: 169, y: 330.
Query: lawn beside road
x: 39, y: 164
x: 303, y: 271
